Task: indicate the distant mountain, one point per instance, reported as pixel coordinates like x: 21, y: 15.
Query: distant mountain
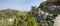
x: 9, y: 13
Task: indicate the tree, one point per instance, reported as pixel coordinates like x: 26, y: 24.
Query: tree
x: 24, y: 20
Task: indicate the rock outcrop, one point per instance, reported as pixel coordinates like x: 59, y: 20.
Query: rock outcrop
x: 52, y: 7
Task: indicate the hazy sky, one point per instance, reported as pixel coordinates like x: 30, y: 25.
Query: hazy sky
x: 23, y: 5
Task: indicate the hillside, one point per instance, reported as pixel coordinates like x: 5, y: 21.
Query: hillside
x: 50, y: 7
x: 8, y: 12
x: 11, y: 17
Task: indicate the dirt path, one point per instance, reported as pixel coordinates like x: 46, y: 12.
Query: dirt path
x: 57, y: 21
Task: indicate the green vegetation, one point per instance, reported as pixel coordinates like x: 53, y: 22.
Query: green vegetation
x: 19, y: 18
x: 11, y: 17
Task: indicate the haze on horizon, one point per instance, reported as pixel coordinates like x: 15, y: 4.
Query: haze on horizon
x: 23, y: 5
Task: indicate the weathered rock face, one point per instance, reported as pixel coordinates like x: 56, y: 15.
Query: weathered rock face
x: 52, y: 0
x: 52, y: 7
x: 57, y: 21
x: 49, y: 6
x: 50, y: 3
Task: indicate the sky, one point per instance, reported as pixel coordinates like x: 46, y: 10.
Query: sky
x: 22, y: 5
